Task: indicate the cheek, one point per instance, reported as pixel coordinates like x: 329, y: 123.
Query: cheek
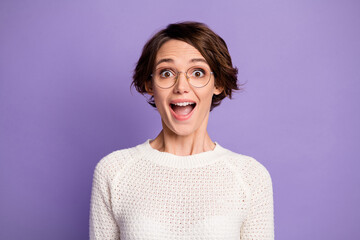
x: 160, y: 100
x: 207, y: 97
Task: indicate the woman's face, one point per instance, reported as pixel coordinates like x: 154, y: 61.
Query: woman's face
x: 179, y: 119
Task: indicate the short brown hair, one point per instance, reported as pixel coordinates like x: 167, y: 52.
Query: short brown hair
x: 211, y: 46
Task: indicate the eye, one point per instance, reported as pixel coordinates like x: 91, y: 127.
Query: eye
x: 166, y: 74
x: 198, y: 73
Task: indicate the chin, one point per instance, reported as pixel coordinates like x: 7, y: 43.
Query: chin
x: 182, y: 128
x: 182, y: 132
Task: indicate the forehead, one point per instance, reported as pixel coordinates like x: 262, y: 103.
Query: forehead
x: 178, y: 51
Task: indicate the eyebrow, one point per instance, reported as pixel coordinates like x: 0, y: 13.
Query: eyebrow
x: 172, y: 61
x: 198, y: 60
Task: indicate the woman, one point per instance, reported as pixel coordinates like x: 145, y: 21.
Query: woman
x: 182, y: 185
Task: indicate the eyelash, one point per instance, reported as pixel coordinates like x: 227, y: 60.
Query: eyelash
x: 173, y: 71
x: 167, y: 69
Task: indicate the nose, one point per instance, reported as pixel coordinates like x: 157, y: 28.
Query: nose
x: 182, y: 84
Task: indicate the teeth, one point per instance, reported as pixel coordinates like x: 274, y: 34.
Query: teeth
x: 183, y: 104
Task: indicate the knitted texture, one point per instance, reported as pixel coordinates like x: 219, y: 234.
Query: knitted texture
x: 141, y: 193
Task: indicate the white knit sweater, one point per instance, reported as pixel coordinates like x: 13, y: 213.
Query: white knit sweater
x: 142, y: 193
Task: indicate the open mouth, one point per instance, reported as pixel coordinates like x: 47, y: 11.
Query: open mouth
x: 182, y: 110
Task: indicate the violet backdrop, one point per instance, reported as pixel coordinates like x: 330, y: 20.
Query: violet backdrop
x: 65, y: 102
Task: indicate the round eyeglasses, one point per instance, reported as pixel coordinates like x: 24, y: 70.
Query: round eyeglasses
x: 197, y: 76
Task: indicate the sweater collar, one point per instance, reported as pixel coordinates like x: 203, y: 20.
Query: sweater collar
x: 175, y: 161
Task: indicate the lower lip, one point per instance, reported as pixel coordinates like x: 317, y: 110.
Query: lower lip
x: 182, y: 117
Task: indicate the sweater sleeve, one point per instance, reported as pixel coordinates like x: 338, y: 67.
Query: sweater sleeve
x: 102, y: 221
x: 259, y: 224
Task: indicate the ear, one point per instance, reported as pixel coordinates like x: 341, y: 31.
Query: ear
x: 148, y: 88
x: 218, y: 90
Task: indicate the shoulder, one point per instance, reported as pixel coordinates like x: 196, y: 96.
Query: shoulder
x: 115, y: 162
x: 248, y: 167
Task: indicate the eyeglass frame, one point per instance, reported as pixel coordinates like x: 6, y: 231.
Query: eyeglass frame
x: 187, y: 77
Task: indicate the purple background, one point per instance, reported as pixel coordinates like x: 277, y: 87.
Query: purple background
x: 65, y: 71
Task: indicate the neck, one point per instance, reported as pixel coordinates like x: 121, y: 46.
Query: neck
x: 195, y: 143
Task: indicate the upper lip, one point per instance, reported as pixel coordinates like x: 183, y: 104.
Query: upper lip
x: 181, y: 101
